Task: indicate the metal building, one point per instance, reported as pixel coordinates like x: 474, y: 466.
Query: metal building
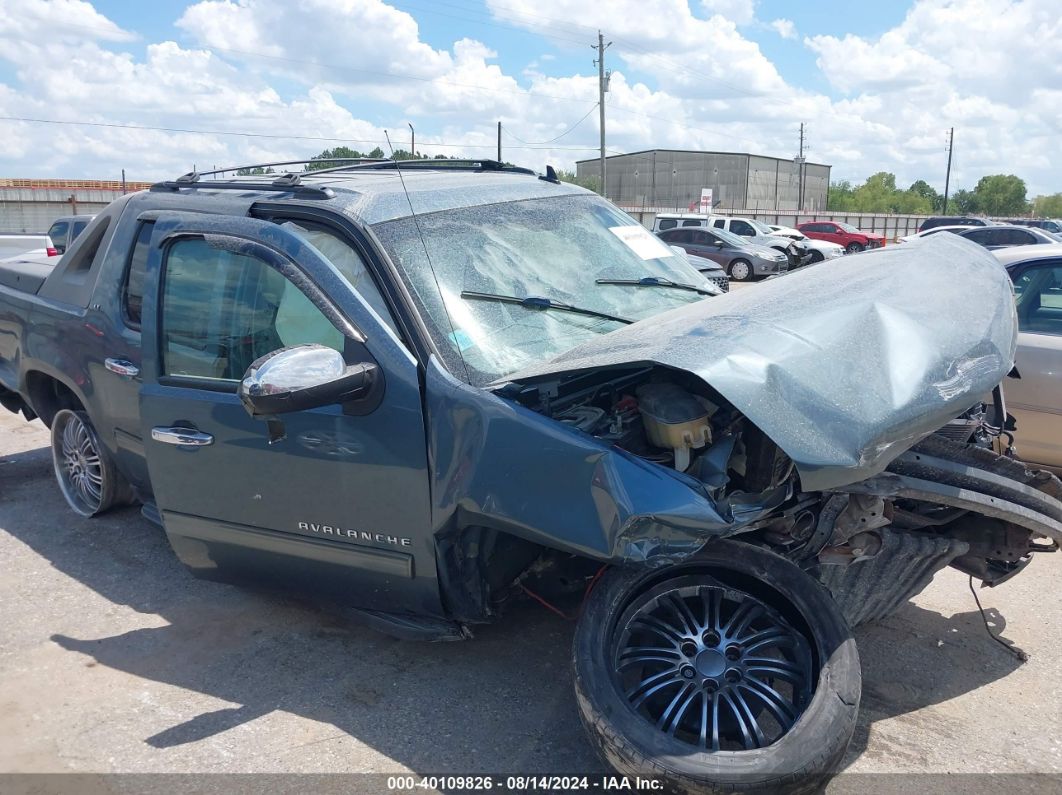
x: 673, y: 179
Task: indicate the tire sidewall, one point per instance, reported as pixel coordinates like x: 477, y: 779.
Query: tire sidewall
x: 833, y: 706
x: 855, y: 248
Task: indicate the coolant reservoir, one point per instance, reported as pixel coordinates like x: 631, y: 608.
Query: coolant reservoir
x: 675, y: 419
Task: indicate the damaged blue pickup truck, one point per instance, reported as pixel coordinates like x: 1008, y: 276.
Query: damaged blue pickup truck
x: 420, y: 392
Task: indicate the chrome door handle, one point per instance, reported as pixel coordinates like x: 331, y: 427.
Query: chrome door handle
x: 182, y: 436
x: 122, y: 367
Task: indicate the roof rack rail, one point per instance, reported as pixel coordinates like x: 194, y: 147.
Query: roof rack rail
x: 287, y: 183
x: 462, y: 164
x: 195, y: 176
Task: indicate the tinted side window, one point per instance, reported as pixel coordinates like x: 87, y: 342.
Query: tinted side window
x: 350, y: 264
x: 668, y: 224
x: 1039, y: 298
x: 982, y: 236
x: 1019, y: 237
x: 133, y: 287
x: 58, y: 231
x: 78, y: 227
x: 691, y: 223
x: 742, y: 228
x: 701, y: 238
x: 719, y: 223
x: 221, y: 311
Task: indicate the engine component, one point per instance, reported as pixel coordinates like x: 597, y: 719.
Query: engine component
x: 585, y: 418
x: 674, y: 419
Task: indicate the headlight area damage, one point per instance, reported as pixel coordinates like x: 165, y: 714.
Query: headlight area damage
x: 834, y: 415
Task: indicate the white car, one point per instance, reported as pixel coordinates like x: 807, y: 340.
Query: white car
x: 933, y: 231
x: 820, y: 249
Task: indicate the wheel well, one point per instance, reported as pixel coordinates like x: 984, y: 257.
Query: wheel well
x: 48, y: 396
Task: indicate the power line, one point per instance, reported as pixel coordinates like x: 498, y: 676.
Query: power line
x: 551, y: 140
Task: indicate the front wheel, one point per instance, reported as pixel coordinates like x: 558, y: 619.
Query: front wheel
x: 733, y: 671
x: 740, y: 270
x: 87, y: 476
x: 854, y: 248
x: 816, y: 256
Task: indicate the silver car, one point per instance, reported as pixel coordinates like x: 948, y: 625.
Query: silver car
x: 741, y: 259
x: 1035, y: 397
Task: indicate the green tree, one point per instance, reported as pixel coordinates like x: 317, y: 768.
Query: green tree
x: 964, y: 202
x: 1048, y: 206
x: 1001, y: 194
x: 840, y: 196
x: 592, y: 182
x: 927, y: 192
x: 247, y: 172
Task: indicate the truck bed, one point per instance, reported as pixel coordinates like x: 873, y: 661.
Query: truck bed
x: 26, y: 275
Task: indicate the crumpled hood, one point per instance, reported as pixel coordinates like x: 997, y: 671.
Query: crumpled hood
x: 844, y: 365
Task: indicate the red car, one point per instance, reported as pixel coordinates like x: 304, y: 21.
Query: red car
x: 843, y: 234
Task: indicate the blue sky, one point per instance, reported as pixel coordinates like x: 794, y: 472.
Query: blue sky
x: 876, y: 84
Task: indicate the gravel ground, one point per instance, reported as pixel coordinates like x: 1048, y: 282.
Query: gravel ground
x: 114, y: 659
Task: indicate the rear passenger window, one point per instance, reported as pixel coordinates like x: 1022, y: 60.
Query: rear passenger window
x: 718, y: 223
x: 79, y: 227
x: 691, y: 223
x: 222, y: 310
x: 133, y: 288
x: 668, y: 224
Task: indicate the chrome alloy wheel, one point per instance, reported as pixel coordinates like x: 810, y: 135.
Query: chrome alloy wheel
x: 78, y: 467
x: 712, y: 666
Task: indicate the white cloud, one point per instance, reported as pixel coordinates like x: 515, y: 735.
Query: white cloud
x: 686, y: 74
x: 784, y: 28
x: 740, y: 12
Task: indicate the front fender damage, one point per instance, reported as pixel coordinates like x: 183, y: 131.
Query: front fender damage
x: 498, y: 465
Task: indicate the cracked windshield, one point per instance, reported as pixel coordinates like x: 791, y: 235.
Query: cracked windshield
x: 519, y: 282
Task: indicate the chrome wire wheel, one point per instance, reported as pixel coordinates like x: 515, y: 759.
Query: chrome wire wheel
x: 712, y: 666
x: 78, y: 464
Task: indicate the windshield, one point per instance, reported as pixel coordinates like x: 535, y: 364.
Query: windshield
x: 761, y: 227
x: 554, y: 248
x: 846, y: 227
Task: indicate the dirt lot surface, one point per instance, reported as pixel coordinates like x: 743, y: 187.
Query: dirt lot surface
x: 114, y: 659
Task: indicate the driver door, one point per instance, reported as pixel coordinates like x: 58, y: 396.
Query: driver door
x: 331, y: 499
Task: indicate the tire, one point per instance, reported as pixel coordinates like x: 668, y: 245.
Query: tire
x: 740, y: 270
x: 854, y: 248
x: 821, y: 660
x: 816, y: 256
x: 88, y: 479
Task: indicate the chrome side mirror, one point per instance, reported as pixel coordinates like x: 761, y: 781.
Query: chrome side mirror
x: 303, y: 377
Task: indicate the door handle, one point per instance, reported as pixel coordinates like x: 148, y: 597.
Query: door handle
x: 186, y: 437
x: 122, y: 367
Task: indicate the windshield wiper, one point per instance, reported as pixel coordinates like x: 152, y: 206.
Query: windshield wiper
x: 660, y: 281
x: 537, y: 302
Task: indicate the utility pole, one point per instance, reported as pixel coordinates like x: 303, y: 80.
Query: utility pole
x: 499, y: 142
x: 800, y: 172
x: 947, y: 176
x: 602, y: 87
x: 412, y: 141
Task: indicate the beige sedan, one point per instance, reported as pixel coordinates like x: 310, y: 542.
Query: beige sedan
x: 1035, y: 399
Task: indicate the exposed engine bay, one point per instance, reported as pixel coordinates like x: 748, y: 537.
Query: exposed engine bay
x: 875, y: 543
